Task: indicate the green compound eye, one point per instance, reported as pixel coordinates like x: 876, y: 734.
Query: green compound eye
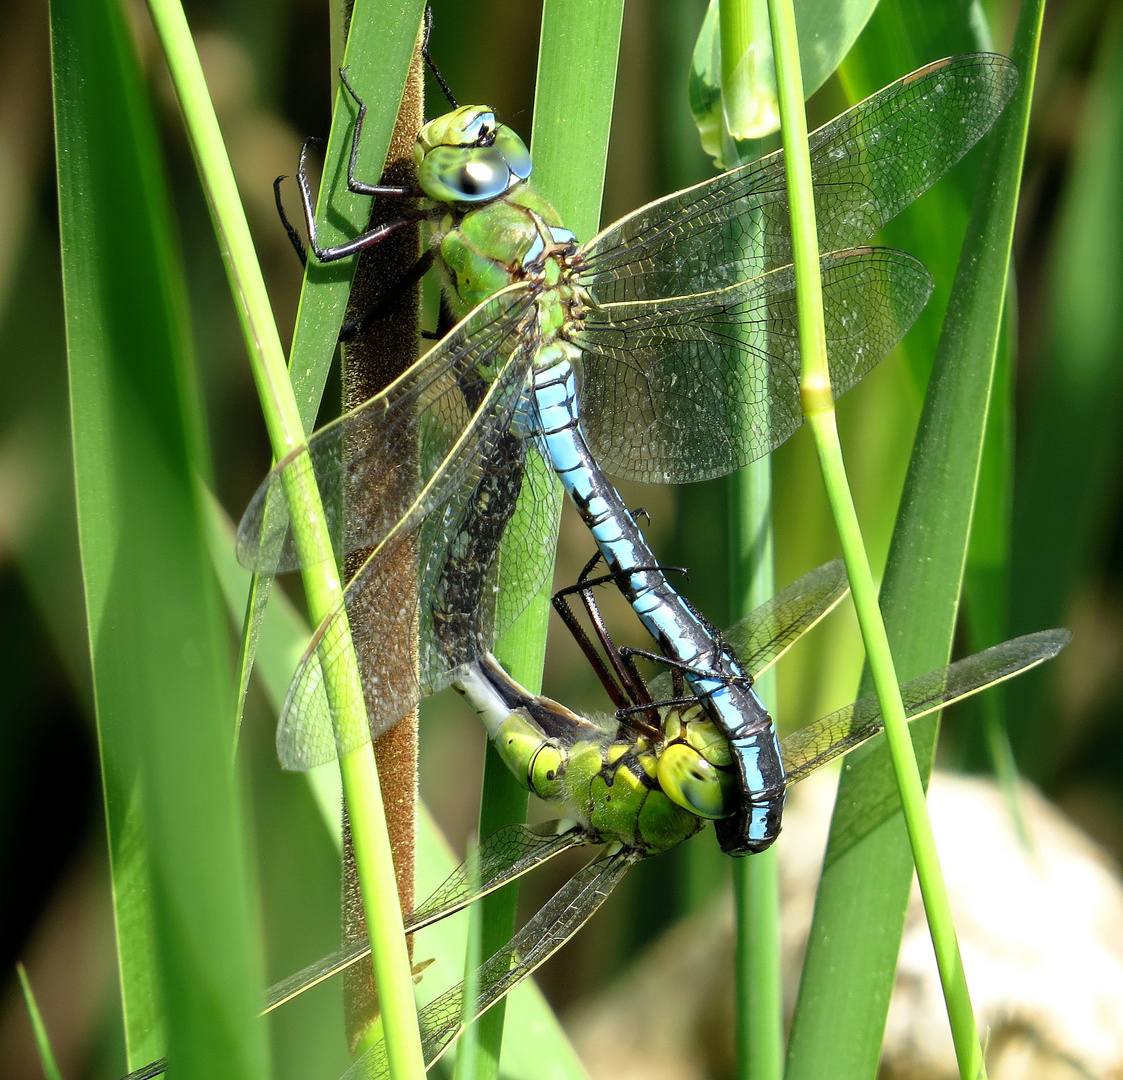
x: 690, y: 780
x: 514, y: 151
x: 465, y: 156
x: 464, y: 174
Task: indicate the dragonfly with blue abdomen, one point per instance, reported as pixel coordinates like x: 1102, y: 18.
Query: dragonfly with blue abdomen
x: 636, y: 788
x: 676, y: 324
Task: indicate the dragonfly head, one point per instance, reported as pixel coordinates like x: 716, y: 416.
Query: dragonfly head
x: 467, y: 156
x: 693, y: 768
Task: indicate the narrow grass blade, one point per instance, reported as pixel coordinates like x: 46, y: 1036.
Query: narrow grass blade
x: 747, y: 112
x: 848, y: 973
x: 42, y: 1039
x: 188, y: 948
x: 379, y: 49
x: 986, y: 579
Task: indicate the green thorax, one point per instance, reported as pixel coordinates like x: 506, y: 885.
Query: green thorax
x: 615, y: 785
x: 488, y: 247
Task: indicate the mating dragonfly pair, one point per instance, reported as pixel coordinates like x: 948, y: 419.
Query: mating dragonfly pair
x: 675, y: 330
x: 653, y: 783
x: 678, y: 322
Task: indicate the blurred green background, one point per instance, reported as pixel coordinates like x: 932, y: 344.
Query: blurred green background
x: 269, y: 70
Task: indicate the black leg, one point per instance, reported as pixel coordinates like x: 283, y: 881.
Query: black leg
x: 349, y: 247
x: 354, y: 184
x: 624, y: 682
x: 429, y: 59
x: 614, y: 683
x: 626, y: 670
x: 294, y: 236
x: 614, y: 577
x: 371, y: 236
x: 687, y: 669
x: 665, y: 703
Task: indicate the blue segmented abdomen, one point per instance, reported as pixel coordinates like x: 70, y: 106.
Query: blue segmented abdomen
x: 681, y: 634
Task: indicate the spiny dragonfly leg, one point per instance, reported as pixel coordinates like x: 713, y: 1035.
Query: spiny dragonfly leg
x: 677, y: 666
x: 411, y: 277
x: 356, y: 325
x: 354, y: 184
x: 294, y: 236
x: 339, y: 251
x: 425, y: 55
x: 663, y: 703
x: 624, y: 683
x: 359, y: 187
x: 622, y: 660
x: 615, y: 680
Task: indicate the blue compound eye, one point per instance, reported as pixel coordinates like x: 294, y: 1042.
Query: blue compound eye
x: 464, y: 174
x: 514, y: 151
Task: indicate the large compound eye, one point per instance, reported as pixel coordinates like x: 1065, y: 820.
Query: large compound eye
x: 690, y: 780
x: 464, y: 174
x: 514, y: 151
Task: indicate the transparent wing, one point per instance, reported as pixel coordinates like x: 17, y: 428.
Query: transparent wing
x: 443, y: 1019
x: 506, y: 854
x: 805, y: 750
x: 692, y: 387
x: 387, y: 463
x: 868, y: 164
x: 149, y: 1071
x: 764, y: 635
x: 428, y: 602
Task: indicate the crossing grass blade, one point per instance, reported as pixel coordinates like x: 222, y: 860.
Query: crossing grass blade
x: 371, y: 844
x: 42, y: 1039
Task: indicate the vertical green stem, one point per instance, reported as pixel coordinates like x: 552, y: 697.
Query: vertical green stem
x: 522, y: 652
x: 322, y: 580
x: 818, y: 406
x: 572, y: 114
x: 760, y: 1016
x: 910, y: 788
x: 756, y: 881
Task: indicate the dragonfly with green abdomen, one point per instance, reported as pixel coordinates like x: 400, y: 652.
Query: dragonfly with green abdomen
x: 638, y: 792
x: 677, y: 324
x: 637, y: 789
